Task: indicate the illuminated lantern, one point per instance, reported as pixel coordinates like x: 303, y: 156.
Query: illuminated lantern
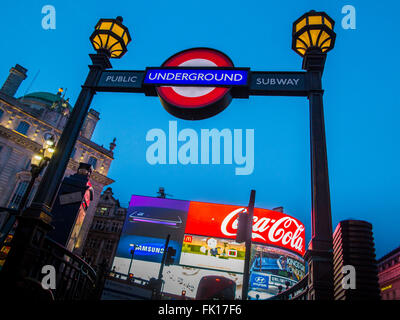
x: 110, y: 37
x: 312, y: 32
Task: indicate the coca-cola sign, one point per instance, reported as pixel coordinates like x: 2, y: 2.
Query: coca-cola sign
x: 269, y: 227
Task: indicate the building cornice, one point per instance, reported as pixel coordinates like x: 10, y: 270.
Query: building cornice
x: 96, y: 176
x: 389, y: 256
x: 14, y: 103
x: 19, y: 139
x: 96, y: 147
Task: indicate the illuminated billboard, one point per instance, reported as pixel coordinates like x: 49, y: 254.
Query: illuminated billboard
x: 269, y: 227
x: 214, y: 253
x: 147, y: 224
x: 273, y: 270
x: 203, y: 235
x: 145, y: 248
x: 149, y: 217
x: 178, y: 278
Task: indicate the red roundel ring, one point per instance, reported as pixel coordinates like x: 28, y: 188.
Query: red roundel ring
x: 195, y: 103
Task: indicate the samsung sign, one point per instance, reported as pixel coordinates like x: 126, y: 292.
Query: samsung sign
x: 197, y: 77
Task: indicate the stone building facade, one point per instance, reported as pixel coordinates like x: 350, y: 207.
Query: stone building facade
x: 105, y: 231
x: 24, y: 123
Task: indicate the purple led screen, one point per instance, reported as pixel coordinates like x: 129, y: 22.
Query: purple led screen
x: 156, y: 217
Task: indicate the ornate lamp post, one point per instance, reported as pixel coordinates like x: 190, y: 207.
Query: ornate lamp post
x: 109, y: 39
x: 313, y: 36
x: 38, y: 163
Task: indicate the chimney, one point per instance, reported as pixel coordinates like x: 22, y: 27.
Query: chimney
x: 16, y: 76
x: 90, y: 123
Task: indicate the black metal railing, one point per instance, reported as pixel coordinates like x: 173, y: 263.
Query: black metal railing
x: 297, y: 292
x: 75, y: 278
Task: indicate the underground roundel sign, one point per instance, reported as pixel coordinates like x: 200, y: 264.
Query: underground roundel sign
x: 195, y: 103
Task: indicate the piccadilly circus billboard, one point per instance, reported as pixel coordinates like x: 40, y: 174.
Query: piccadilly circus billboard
x: 204, y: 237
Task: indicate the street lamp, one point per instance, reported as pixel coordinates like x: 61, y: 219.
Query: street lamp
x: 313, y: 31
x: 312, y: 38
x: 38, y: 162
x: 111, y: 37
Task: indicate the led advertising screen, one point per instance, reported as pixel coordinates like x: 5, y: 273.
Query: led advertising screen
x: 178, y: 278
x: 207, y: 255
x: 145, y: 248
x: 214, y: 253
x: 149, y: 217
x: 148, y: 223
x: 273, y: 270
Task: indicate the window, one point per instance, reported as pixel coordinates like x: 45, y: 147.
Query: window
x: 18, y: 194
x: 103, y: 211
x: 73, y: 153
x: 109, y: 244
x: 114, y: 227
x: 28, y: 164
x: 93, y: 243
x: 120, y: 212
x: 1, y: 113
x: 99, y: 225
x: 93, y: 162
x: 23, y: 127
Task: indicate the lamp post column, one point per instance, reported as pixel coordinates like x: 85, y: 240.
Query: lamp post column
x: 320, y: 250
x: 132, y: 254
x: 249, y: 235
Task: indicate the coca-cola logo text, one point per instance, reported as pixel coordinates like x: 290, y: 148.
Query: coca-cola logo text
x: 285, y: 230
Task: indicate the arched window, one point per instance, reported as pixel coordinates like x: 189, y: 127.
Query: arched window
x: 23, y: 127
x: 93, y: 162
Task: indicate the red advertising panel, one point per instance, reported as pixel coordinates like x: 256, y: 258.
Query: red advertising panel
x: 269, y: 227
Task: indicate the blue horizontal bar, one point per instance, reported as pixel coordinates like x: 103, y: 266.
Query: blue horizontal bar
x: 197, y: 77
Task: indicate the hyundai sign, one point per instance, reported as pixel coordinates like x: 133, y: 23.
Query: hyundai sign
x: 259, y: 280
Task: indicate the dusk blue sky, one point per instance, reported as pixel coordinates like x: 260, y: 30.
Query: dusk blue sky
x: 361, y: 99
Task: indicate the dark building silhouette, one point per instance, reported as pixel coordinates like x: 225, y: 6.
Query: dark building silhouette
x: 389, y: 275
x: 353, y: 244
x: 105, y: 231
